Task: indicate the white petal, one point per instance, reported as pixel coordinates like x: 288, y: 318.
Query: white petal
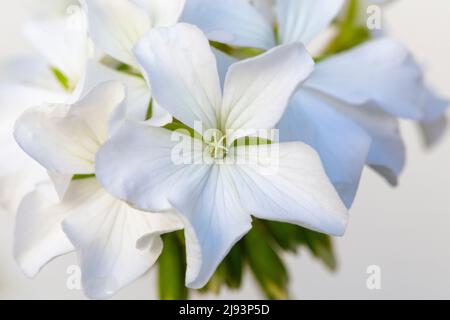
x: 97, y: 107
x: 387, y: 153
x: 182, y: 73
x: 138, y: 95
x: 38, y: 234
x: 19, y: 173
x: 57, y: 142
x: 343, y: 146
x: 303, y: 20
x: 433, y: 131
x: 233, y: 22
x: 286, y: 182
x: 15, y: 98
x: 162, y: 13
x: 106, y: 232
x: 381, y: 73
x: 18, y: 176
x: 434, y: 106
x: 434, y: 122
x: 65, y: 139
x: 266, y: 8
x: 215, y: 220
x: 61, y: 182
x: 31, y: 72
x: 224, y: 62
x: 116, y: 25
x: 257, y: 90
x: 65, y: 48
x: 151, y: 169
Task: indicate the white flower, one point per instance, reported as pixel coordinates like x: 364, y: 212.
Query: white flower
x: 24, y: 82
x: 116, y: 243
x: 348, y: 109
x: 217, y: 198
x: 434, y: 122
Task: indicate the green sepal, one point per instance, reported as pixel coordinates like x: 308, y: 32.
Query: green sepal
x: 83, y: 176
x: 63, y: 80
x: 350, y: 32
x: 237, y: 52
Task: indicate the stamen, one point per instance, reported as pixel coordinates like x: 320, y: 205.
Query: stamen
x: 217, y: 150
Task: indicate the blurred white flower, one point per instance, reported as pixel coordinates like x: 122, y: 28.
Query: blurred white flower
x: 116, y: 243
x: 217, y: 198
x: 50, y: 77
x: 434, y: 122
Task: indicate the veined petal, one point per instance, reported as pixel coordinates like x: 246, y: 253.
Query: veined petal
x: 65, y: 48
x: 38, y: 236
x: 65, y: 139
x: 116, y: 26
x: 303, y: 20
x: 214, y: 220
x: 152, y: 165
x: 343, y: 146
x: 162, y: 13
x: 257, y: 90
x: 234, y: 22
x: 182, y: 72
x: 286, y: 182
x: 106, y: 232
x: 381, y: 73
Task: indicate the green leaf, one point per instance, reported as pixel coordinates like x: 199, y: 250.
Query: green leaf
x: 171, y: 267
x: 266, y: 265
x: 320, y: 245
x: 232, y: 267
x: 284, y: 234
x: 228, y: 273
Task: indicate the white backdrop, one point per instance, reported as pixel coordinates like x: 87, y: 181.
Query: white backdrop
x: 405, y: 231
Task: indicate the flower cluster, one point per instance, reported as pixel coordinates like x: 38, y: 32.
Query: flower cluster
x: 153, y: 116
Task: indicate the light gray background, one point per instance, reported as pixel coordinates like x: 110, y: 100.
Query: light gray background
x: 405, y: 231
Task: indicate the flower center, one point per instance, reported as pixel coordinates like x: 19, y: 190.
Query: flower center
x: 217, y: 146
